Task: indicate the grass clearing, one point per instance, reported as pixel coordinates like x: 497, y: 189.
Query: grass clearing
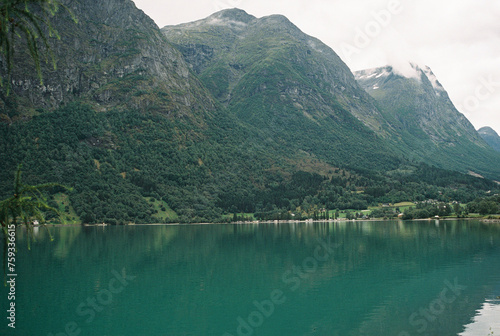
x: 64, y: 206
x: 162, y: 210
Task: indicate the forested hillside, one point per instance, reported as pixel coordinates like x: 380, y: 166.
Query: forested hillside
x: 134, y: 167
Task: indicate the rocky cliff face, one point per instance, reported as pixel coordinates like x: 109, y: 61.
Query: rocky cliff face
x: 114, y: 57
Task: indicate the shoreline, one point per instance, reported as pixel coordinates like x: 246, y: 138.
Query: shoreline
x: 482, y: 220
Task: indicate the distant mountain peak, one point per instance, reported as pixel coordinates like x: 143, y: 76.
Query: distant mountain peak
x: 276, y: 18
x: 490, y: 136
x: 408, y: 70
x: 233, y: 17
x: 487, y: 130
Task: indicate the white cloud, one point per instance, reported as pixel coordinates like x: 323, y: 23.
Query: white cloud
x: 458, y: 39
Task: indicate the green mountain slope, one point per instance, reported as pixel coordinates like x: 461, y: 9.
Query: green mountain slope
x: 491, y: 137
x: 427, y: 125
x: 288, y: 85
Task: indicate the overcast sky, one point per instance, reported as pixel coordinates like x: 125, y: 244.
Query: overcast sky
x: 458, y: 39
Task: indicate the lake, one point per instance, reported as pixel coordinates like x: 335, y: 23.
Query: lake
x: 332, y: 278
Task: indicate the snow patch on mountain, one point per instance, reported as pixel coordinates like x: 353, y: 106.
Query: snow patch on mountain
x: 372, y: 73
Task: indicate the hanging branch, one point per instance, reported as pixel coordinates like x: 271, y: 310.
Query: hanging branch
x: 28, y: 203
x: 28, y: 20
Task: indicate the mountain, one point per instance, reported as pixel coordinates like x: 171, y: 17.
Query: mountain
x: 125, y: 122
x: 428, y: 126
x: 491, y: 137
x: 228, y: 115
x: 290, y: 86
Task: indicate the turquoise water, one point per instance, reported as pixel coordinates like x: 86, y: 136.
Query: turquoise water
x: 348, y: 278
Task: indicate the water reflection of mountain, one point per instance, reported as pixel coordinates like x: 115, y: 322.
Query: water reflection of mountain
x: 486, y: 321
